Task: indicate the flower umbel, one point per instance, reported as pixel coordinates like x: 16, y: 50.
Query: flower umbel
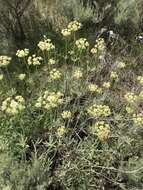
x: 82, y: 43
x: 102, y: 130
x: 66, y: 114
x: 21, y: 76
x: 61, y: 131
x: 99, y: 111
x: 4, y: 60
x: 46, y: 45
x: 33, y: 60
x: 55, y: 74
x: 22, y: 53
x: 77, y: 74
x: 13, y: 105
x: 49, y: 100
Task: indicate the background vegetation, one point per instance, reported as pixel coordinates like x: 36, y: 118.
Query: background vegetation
x: 48, y: 149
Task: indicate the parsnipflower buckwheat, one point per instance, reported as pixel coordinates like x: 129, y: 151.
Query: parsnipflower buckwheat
x: 33, y: 60
x: 4, y: 60
x: 55, y: 74
x: 52, y: 61
x: 13, y: 105
x: 131, y: 98
x: 102, y: 130
x: 66, y: 114
x: 77, y: 74
x: 106, y: 85
x: 21, y: 76
x: 140, y: 80
x: 46, y: 45
x: 138, y: 119
x: 82, y: 43
x: 74, y: 26
x: 99, y: 111
x: 1, y: 77
x: 49, y: 100
x: 22, y: 53
x: 61, y: 131
x: 94, y: 88
x: 99, y: 46
x: 66, y: 32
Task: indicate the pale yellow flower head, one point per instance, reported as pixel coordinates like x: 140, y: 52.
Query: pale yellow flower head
x: 94, y: 88
x: 129, y: 110
x: 102, y: 130
x: 77, y: 74
x: 46, y: 45
x: 61, y: 131
x: 106, y: 85
x: 82, y: 43
x: 52, y: 61
x: 4, y: 60
x: 131, y: 98
x: 113, y: 75
x: 99, y: 46
x: 55, y: 74
x: 66, y: 32
x: 99, y: 111
x: 74, y: 26
x: 121, y: 65
x: 66, y: 114
x: 1, y: 76
x: 140, y: 80
x: 33, y: 60
x: 21, y: 76
x: 49, y: 100
x: 138, y: 119
x: 13, y: 105
x: 22, y: 53
x: 141, y: 95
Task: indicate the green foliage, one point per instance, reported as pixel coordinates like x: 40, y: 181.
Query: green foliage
x: 128, y: 11
x: 79, y: 124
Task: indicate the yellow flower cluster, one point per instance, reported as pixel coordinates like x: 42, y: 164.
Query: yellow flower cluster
x: 131, y: 98
x: 1, y: 76
x: 77, y: 74
x: 140, y: 80
x: 33, y: 60
x: 138, y: 119
x: 13, y: 105
x: 99, y: 110
x: 22, y: 53
x: 66, y: 32
x: 4, y: 60
x: 82, y: 43
x: 52, y: 61
x: 46, y: 45
x: 102, y: 130
x: 141, y: 95
x: 121, y: 65
x: 113, y: 75
x: 49, y: 100
x: 72, y: 27
x: 106, y: 85
x: 21, y: 76
x: 99, y: 46
x: 94, y: 88
x: 61, y: 131
x: 55, y: 74
x: 66, y: 114
x: 129, y: 110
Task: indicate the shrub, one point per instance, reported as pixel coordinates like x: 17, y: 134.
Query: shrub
x: 74, y: 121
